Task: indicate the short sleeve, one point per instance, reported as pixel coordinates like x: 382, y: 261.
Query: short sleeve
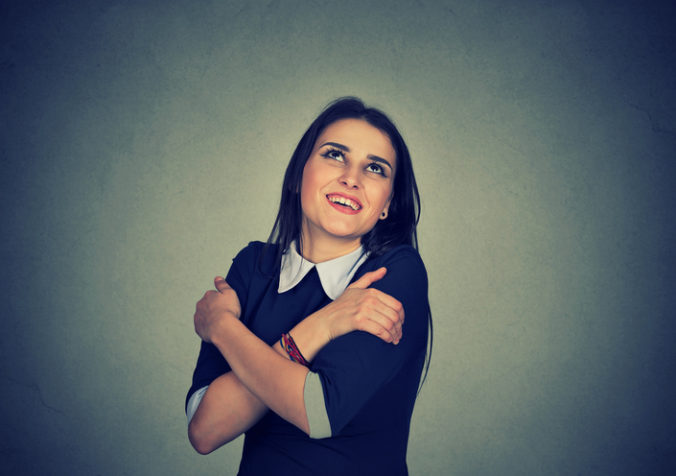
x: 354, y: 367
x: 210, y: 362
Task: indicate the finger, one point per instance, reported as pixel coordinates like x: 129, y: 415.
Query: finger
x: 389, y: 302
x: 369, y: 278
x: 220, y: 284
x: 381, y: 328
x: 372, y: 327
x: 388, y: 319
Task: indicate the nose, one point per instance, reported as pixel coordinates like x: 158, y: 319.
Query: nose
x: 350, y: 179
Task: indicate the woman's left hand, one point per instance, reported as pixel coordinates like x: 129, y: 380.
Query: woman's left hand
x: 214, y: 307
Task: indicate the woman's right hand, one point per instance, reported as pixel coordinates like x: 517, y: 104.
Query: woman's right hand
x: 363, y: 308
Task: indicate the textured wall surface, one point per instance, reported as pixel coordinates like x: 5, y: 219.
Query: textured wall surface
x: 143, y: 144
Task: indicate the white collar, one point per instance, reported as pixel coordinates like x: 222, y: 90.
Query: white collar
x: 334, y: 274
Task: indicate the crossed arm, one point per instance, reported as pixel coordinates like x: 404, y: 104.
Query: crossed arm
x: 263, y: 377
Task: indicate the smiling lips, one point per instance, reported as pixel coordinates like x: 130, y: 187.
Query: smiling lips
x: 344, y: 204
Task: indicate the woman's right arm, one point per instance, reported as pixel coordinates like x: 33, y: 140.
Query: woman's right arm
x: 226, y: 411
x: 359, y: 308
x: 228, y: 408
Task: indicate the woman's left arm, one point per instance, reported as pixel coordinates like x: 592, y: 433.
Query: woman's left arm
x: 267, y: 371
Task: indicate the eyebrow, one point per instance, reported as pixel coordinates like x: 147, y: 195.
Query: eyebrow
x: 345, y: 148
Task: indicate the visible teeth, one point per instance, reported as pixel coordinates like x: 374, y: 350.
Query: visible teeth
x: 344, y: 201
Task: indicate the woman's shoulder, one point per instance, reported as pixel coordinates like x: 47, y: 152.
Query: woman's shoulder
x: 258, y: 254
x: 403, y: 258
x: 252, y: 248
x: 398, y: 253
x: 405, y: 280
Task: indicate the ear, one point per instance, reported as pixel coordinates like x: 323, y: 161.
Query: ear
x: 385, y: 212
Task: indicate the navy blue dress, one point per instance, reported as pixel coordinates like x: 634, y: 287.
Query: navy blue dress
x: 369, y: 385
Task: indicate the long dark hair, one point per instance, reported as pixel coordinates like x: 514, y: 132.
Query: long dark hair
x: 403, y: 213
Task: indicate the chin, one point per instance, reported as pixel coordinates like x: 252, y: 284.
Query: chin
x: 342, y: 232
x: 346, y: 235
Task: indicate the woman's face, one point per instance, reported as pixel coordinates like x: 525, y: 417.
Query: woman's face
x: 347, y: 181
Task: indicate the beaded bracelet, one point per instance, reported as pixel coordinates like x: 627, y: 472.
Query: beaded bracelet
x: 291, y: 349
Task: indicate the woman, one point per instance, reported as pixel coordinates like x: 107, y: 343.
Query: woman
x: 287, y: 332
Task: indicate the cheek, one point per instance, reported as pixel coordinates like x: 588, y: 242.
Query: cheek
x: 380, y: 196
x: 308, y: 187
x: 315, y: 178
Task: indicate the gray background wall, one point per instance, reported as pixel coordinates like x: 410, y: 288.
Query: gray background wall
x: 143, y: 144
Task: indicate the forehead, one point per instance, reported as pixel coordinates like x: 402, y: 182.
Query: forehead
x: 360, y: 137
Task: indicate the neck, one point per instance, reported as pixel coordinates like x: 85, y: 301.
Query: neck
x: 318, y: 249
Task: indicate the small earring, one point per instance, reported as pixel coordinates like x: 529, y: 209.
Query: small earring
x: 383, y: 215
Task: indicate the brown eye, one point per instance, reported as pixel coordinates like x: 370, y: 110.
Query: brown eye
x: 334, y: 154
x: 375, y: 168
